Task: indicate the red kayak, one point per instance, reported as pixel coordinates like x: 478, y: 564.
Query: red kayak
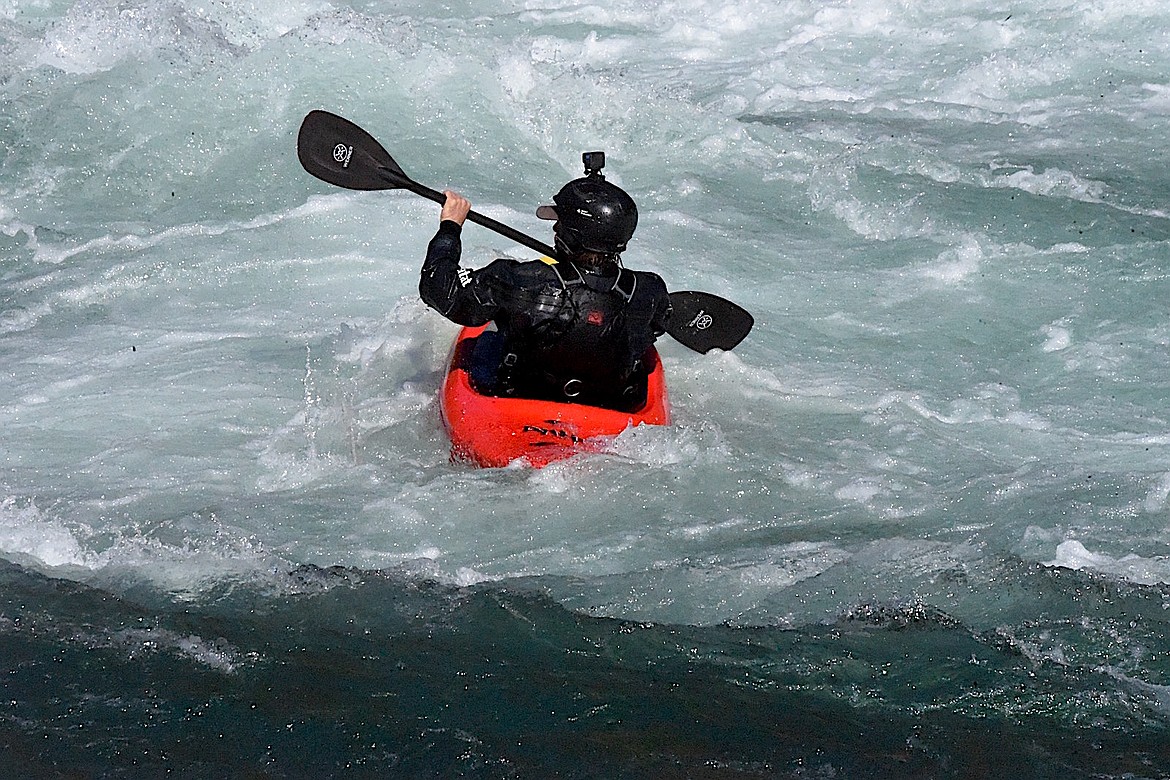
x: 491, y: 431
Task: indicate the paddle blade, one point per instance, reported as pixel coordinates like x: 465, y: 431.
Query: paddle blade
x: 704, y: 322
x: 337, y: 151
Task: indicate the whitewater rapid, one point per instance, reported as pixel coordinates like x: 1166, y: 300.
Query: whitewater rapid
x: 949, y: 222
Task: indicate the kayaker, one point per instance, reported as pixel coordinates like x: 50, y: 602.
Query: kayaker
x: 574, y: 329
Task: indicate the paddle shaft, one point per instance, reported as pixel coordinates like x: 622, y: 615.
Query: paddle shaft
x: 407, y: 183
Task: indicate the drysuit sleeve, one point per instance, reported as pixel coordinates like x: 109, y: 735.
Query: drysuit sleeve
x: 454, y: 292
x: 661, y: 316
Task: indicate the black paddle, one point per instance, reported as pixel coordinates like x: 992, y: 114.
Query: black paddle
x: 704, y: 322
x: 337, y: 151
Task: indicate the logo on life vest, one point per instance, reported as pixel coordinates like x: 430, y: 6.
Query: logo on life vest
x: 595, y: 318
x: 702, y: 321
x: 341, y: 154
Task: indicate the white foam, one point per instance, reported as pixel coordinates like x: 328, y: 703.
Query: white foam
x: 663, y: 446
x: 1050, y: 182
x: 981, y: 404
x: 466, y: 576
x: 1157, y: 495
x: 116, y: 556
x: 1158, y: 694
x: 26, y: 533
x: 723, y: 588
x: 217, y: 654
x: 93, y: 37
x: 862, y: 490
x: 18, y: 319
x: 517, y: 76
x: 1158, y: 100
x: 1058, y: 338
x: 135, y: 242
x: 12, y: 226
x: 1072, y: 554
x: 956, y: 264
x: 96, y: 36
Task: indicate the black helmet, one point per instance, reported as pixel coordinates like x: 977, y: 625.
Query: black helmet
x: 592, y: 215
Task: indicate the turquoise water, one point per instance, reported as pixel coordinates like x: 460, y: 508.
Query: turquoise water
x: 916, y: 525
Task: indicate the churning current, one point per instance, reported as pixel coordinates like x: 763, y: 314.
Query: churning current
x: 916, y: 525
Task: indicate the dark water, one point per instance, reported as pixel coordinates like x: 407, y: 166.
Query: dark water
x: 369, y: 674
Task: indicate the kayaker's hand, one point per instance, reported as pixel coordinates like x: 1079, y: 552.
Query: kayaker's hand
x: 455, y: 208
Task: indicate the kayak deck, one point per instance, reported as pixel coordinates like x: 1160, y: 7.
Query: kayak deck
x: 492, y: 431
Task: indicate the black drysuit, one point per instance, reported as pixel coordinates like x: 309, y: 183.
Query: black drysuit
x: 568, y: 333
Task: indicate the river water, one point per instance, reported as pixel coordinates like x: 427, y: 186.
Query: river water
x: 916, y: 525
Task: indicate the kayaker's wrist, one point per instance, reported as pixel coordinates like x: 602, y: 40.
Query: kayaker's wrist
x: 450, y: 226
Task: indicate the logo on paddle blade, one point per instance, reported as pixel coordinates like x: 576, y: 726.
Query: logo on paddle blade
x: 341, y: 154
x: 702, y: 321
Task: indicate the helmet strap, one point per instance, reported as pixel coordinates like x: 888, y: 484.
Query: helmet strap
x: 562, y: 246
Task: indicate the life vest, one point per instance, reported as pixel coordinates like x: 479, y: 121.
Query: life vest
x: 577, y: 347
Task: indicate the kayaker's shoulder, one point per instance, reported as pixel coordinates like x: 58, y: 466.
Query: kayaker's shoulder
x: 651, y: 281
x: 520, y: 272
